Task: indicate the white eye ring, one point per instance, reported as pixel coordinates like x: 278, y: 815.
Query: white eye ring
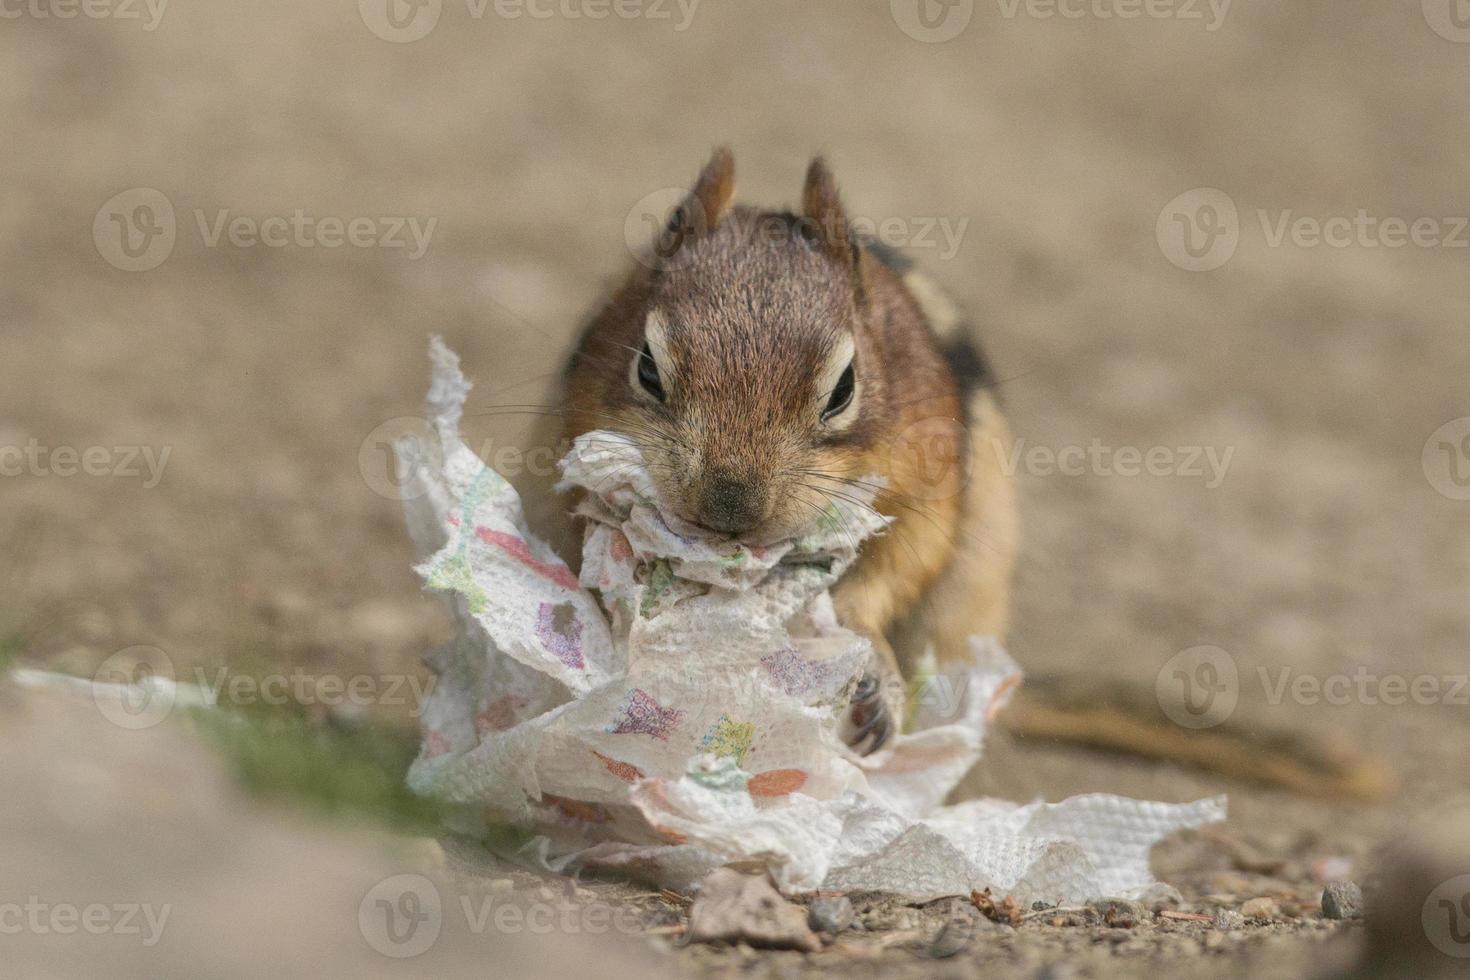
x: 843, y: 395
x: 839, y: 389
x: 650, y: 372
x: 646, y: 377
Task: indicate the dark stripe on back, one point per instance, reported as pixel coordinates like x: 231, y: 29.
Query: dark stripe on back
x: 962, y: 352
x: 887, y: 254
x: 967, y: 362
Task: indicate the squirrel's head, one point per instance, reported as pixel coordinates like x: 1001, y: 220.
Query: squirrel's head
x: 743, y: 360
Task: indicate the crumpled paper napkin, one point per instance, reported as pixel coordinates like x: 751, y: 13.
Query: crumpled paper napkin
x: 675, y: 707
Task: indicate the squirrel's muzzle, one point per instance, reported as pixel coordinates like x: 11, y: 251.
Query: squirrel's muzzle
x: 730, y: 504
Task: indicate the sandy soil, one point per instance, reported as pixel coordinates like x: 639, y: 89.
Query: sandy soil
x: 272, y: 376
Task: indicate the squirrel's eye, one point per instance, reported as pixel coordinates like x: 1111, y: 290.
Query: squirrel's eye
x: 648, y: 373
x: 841, y: 395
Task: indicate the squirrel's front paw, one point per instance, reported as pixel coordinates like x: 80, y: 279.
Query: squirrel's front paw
x: 870, y: 720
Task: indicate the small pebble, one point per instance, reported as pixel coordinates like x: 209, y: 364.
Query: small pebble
x: 1342, y: 900
x: 744, y: 909
x: 957, y: 933
x: 500, y: 886
x: 1228, y: 919
x: 830, y: 914
x: 1120, y: 912
x: 1261, y: 908
x: 1161, y: 896
x: 425, y: 854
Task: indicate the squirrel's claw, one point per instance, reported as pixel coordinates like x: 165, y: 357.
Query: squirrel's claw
x: 869, y: 723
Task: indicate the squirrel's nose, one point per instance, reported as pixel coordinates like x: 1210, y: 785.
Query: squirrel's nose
x: 729, y: 504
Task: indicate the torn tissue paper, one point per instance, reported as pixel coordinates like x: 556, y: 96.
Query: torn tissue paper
x: 675, y: 707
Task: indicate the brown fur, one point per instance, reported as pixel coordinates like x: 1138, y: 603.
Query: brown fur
x: 755, y: 304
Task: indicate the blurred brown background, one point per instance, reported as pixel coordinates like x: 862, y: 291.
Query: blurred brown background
x: 1054, y: 143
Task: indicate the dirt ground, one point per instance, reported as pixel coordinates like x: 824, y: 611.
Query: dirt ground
x: 263, y: 382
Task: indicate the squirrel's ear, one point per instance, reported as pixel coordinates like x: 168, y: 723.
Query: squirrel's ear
x: 700, y: 212
x: 710, y: 200
x: 715, y: 189
x: 826, y: 218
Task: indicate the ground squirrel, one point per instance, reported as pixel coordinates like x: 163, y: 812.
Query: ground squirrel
x: 767, y: 363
